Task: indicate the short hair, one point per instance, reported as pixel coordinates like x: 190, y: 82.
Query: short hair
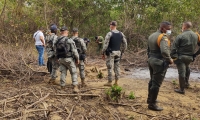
x: 165, y: 23
x: 75, y: 30
x: 188, y: 24
x: 40, y: 28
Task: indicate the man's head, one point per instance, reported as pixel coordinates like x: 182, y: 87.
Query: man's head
x: 113, y: 25
x: 64, y: 31
x: 41, y: 29
x: 165, y: 27
x: 53, y: 28
x: 75, y: 31
x: 186, y: 25
x: 96, y: 37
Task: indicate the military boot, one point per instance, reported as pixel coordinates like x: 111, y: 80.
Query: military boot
x: 75, y: 90
x: 149, y: 95
x: 83, y: 84
x: 109, y: 83
x: 152, y: 103
x: 182, y: 85
x: 116, y: 83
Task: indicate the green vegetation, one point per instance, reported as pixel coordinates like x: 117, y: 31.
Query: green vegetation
x: 174, y: 82
x: 136, y: 18
x: 100, y: 75
x: 131, y: 95
x: 114, y: 93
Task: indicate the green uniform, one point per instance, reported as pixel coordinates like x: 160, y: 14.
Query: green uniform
x: 100, y: 44
x: 68, y: 62
x: 158, y: 57
x: 183, y: 49
x: 112, y: 60
x: 51, y: 54
x: 80, y: 45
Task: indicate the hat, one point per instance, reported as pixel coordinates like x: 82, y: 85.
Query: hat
x: 63, y: 28
x: 75, y: 30
x: 53, y: 27
x: 114, y: 23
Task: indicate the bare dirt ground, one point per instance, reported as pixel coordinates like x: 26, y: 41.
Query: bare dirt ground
x: 38, y: 100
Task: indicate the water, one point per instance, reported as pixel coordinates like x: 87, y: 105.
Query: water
x: 172, y: 74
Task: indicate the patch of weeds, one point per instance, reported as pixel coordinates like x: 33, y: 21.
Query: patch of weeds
x: 174, y: 82
x: 131, y: 95
x: 100, y: 75
x: 194, y: 119
x: 114, y: 93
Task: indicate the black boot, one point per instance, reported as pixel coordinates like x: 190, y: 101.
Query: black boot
x: 149, y: 95
x: 152, y: 105
x: 187, y: 78
x: 182, y: 85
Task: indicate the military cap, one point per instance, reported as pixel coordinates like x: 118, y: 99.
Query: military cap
x: 63, y: 28
x: 114, y: 23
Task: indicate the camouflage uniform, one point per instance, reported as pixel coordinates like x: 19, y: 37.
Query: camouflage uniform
x: 80, y: 45
x: 68, y: 62
x: 113, y: 60
x: 183, y: 49
x: 51, y: 54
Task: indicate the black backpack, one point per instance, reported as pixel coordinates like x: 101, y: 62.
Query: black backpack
x: 61, y: 48
x: 78, y: 45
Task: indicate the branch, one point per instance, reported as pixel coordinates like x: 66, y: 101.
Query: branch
x: 41, y: 99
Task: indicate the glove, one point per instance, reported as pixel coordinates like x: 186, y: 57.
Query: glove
x: 194, y: 56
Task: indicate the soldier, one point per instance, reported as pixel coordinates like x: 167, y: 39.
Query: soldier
x: 66, y: 52
x: 81, y: 48
x: 52, y: 60
x: 111, y: 48
x: 158, y: 61
x: 182, y: 50
x: 99, y: 40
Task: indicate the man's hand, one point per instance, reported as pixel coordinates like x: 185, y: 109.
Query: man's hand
x: 77, y: 62
x: 171, y: 61
x: 103, y: 57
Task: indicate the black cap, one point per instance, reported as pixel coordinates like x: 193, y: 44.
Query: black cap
x: 63, y: 28
x: 75, y: 30
x: 114, y: 23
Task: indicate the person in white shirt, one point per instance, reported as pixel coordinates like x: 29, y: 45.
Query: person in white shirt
x: 40, y: 45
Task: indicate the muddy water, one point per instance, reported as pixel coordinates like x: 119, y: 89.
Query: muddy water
x: 172, y: 74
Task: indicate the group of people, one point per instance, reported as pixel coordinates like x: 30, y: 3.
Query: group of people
x: 159, y: 57
x: 69, y: 54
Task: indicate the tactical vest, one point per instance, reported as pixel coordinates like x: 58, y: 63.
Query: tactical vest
x: 78, y: 45
x: 115, y: 41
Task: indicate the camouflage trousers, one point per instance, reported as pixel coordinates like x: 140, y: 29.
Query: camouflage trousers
x: 67, y: 64
x: 55, y: 66
x: 113, y: 61
x: 81, y: 67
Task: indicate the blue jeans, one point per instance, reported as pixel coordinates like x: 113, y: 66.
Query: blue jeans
x: 40, y: 50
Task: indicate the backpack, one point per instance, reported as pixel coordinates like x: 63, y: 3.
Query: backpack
x: 78, y: 45
x: 61, y: 48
